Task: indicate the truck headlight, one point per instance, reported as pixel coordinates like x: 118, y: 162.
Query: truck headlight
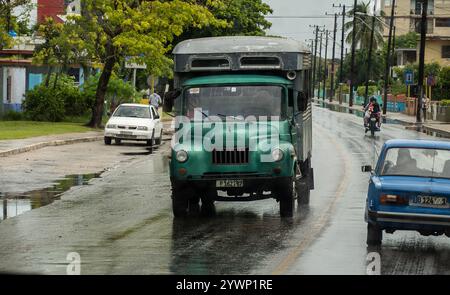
x: 111, y: 126
x: 277, y: 155
x: 142, y: 128
x: 181, y: 156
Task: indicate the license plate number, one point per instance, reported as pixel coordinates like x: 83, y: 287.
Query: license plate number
x: 126, y: 133
x: 427, y: 201
x: 230, y: 183
x: 373, y: 119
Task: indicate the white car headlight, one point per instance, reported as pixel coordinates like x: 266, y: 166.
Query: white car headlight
x: 181, y: 156
x: 111, y: 126
x: 277, y: 155
x: 142, y: 128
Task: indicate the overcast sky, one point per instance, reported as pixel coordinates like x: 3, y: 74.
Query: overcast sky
x: 312, y: 12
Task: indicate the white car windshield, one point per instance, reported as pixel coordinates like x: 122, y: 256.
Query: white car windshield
x: 132, y: 112
x: 433, y: 163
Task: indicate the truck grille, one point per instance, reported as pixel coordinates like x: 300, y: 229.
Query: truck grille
x: 233, y: 157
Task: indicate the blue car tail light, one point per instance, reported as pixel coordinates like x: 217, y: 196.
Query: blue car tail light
x: 393, y: 200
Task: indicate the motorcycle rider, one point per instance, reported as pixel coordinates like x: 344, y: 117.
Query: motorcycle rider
x: 372, y: 108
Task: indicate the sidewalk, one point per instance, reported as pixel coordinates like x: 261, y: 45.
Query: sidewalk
x: 17, y: 146
x: 435, y: 126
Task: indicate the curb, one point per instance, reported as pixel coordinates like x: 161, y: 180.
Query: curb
x: 40, y: 145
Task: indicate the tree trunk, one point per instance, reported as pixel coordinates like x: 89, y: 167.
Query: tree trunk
x: 97, y: 111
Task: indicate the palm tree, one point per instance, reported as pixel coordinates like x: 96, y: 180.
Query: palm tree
x: 363, y: 24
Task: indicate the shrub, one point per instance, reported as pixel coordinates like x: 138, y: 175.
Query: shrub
x: 60, y: 90
x: 12, y: 116
x: 445, y: 102
x: 43, y: 104
x: 362, y: 90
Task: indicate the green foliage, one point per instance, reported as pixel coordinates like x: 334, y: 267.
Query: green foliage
x: 445, y: 102
x: 398, y: 88
x: 361, y: 90
x: 61, y: 98
x: 444, y: 77
x: 118, y: 91
x: 16, y: 22
x: 408, y: 40
x: 12, y: 116
x: 361, y: 59
x: 41, y: 104
x: 363, y: 27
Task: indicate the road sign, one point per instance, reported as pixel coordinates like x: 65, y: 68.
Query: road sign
x: 409, y: 77
x: 129, y: 64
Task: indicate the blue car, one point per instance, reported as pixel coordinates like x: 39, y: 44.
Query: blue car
x: 409, y: 189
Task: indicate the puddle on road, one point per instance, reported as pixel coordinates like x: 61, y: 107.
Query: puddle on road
x: 13, y: 204
x: 408, y: 126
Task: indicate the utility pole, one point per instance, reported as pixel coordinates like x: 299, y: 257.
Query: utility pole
x: 319, y: 76
x: 325, y: 71
x: 315, y: 59
x: 311, y: 80
x: 333, y: 59
x: 369, y: 61
x: 352, y: 69
x: 393, y: 52
x: 423, y: 36
x: 388, y: 59
x: 341, y: 67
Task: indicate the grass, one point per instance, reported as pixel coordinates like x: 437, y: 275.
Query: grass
x: 26, y: 129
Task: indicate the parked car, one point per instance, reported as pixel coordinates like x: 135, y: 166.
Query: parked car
x: 409, y: 189
x: 137, y: 122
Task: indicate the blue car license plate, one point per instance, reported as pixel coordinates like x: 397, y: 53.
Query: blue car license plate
x: 430, y: 201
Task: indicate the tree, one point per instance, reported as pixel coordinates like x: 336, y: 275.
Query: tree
x: 243, y: 17
x: 10, y: 22
x: 363, y: 27
x: 408, y: 40
x: 361, y: 59
x: 143, y: 30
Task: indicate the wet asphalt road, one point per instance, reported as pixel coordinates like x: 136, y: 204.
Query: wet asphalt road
x: 122, y: 222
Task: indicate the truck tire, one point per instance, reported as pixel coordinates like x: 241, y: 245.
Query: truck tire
x: 374, y: 235
x: 194, y: 206
x: 286, y: 199
x: 208, y: 208
x: 108, y: 140
x: 180, y: 203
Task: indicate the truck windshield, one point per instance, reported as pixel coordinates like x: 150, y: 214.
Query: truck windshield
x: 234, y: 101
x: 417, y: 162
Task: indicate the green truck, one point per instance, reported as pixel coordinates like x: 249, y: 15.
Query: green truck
x: 243, y: 126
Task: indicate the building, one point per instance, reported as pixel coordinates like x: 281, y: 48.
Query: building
x: 408, y: 18
x: 17, y: 73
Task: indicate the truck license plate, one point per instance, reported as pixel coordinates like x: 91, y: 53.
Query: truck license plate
x: 427, y: 201
x: 230, y: 183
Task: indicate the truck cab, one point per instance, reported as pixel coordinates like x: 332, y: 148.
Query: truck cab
x: 243, y: 123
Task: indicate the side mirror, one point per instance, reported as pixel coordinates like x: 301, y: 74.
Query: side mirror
x: 366, y: 168
x: 169, y: 99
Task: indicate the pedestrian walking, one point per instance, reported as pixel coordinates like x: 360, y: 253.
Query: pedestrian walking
x: 155, y: 100
x: 425, y: 105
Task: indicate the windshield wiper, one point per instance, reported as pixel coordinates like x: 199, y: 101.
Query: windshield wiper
x: 229, y: 116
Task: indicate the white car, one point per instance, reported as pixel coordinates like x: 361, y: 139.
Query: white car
x: 137, y: 122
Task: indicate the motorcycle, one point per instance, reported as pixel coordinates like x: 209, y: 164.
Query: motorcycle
x: 373, y: 124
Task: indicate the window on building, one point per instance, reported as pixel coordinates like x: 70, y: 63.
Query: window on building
x: 446, y: 51
x: 443, y: 22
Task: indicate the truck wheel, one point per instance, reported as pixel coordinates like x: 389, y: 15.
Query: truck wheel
x: 374, y: 235
x: 194, y: 206
x: 286, y: 198
x: 108, y: 140
x: 179, y: 203
x: 208, y: 208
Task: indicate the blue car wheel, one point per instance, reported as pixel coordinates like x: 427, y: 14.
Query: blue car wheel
x: 374, y: 235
